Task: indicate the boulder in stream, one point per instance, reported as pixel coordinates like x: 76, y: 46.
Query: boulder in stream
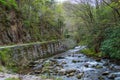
x: 60, y: 57
x: 105, y: 73
x: 79, y: 76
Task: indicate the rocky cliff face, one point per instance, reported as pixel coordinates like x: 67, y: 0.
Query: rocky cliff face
x: 11, y: 27
x: 18, y: 25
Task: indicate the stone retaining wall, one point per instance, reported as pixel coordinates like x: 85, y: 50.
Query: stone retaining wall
x: 24, y: 53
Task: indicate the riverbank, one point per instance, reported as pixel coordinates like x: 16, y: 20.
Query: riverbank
x: 98, y: 56
x: 13, y: 76
x: 73, y: 65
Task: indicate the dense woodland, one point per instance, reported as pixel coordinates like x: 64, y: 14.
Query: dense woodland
x: 31, y: 31
x: 94, y: 23
x: 98, y: 25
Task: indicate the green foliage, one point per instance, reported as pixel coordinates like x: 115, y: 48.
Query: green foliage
x: 6, y: 59
x: 12, y: 79
x: 5, y: 56
x: 9, y: 3
x: 88, y: 52
x: 91, y: 52
x: 42, y: 19
x: 1, y: 68
x: 111, y: 45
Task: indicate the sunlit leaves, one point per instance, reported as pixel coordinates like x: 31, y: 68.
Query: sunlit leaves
x: 9, y: 3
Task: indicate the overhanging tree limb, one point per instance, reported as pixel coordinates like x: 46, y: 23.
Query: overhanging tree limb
x: 116, y: 10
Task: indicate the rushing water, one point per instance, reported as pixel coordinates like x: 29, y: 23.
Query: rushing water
x: 73, y: 65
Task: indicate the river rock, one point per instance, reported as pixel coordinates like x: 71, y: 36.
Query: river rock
x: 101, y: 78
x: 72, y: 74
x: 37, y: 72
x: 79, y: 76
x: 117, y: 67
x: 73, y: 61
x: 31, y: 66
x: 62, y: 72
x: 69, y: 75
x: 38, y: 67
x: 86, y: 64
x: 60, y: 57
x: 57, y: 68
x: 53, y: 60
x: 70, y: 71
x: 36, y: 62
x: 106, y: 64
x: 32, y: 63
x: 63, y: 62
x: 59, y: 65
x: 39, y: 61
x: 98, y: 59
x: 98, y: 66
x: 114, y: 75
x: 106, y: 73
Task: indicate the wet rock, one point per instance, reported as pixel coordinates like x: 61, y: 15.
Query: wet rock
x: 59, y: 65
x: 32, y: 64
x: 79, y: 56
x: 38, y: 67
x: 50, y: 67
x: 117, y: 67
x: 60, y: 57
x: 95, y: 65
x: 62, y: 72
x: 70, y: 71
x: 101, y: 78
x: 98, y: 66
x: 37, y: 72
x: 106, y: 73
x: 47, y: 63
x: 53, y: 60
x: 69, y: 55
x: 98, y: 59
x: 69, y: 75
x: 36, y: 62
x: 63, y: 62
x: 77, y: 72
x: 111, y: 76
x: 114, y: 75
x: 74, y: 61
x: 106, y: 64
x: 79, y: 76
x: 89, y: 70
x: 117, y: 78
x: 112, y: 66
x: 86, y: 65
x: 57, y: 68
